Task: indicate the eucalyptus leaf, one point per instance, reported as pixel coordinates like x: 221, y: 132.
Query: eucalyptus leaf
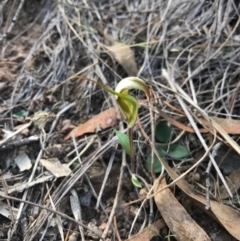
x: 178, y: 151
x: 163, y: 131
x: 123, y: 140
x: 135, y: 181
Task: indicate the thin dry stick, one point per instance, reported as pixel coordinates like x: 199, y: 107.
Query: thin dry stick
x: 68, y: 232
x: 116, y: 228
x: 119, y: 187
x: 109, y: 167
x: 164, y: 164
x: 196, y: 71
x: 59, y: 222
x: 4, y: 184
x: 139, y: 210
x: 153, y: 141
x: 89, y: 144
x: 13, y: 22
x: 78, y: 155
x: 145, y: 200
x: 35, y: 168
x: 15, y: 133
x: 74, y: 200
x: 50, y: 210
x: 172, y: 84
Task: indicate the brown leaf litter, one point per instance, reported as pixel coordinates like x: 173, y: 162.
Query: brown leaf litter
x: 121, y: 52
x: 108, y: 118
x: 228, y: 217
x: 177, y: 219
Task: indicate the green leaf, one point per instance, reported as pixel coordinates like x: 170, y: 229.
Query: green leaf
x: 55, y: 105
x: 178, y: 151
x: 123, y: 140
x: 75, y: 164
x: 20, y: 113
x: 135, y: 181
x: 163, y: 131
x: 157, y: 163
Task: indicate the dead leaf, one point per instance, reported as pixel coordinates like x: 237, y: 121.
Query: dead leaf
x: 224, y: 214
x: 66, y: 125
x: 228, y: 125
x: 148, y: 232
x: 4, y: 210
x: 233, y: 182
x: 177, y: 219
x: 95, y: 230
x: 123, y: 54
x: 24, y: 132
x: 23, y: 162
x: 104, y: 119
x: 54, y: 166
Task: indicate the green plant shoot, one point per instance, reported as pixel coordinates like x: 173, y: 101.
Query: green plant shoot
x: 129, y: 105
x: 123, y: 140
x: 135, y: 181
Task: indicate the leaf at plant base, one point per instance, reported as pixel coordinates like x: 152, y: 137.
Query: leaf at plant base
x: 20, y: 113
x: 123, y: 140
x: 163, y: 131
x: 178, y: 151
x: 157, y: 163
x: 135, y: 181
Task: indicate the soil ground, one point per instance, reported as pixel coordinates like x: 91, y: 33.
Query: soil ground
x: 44, y: 44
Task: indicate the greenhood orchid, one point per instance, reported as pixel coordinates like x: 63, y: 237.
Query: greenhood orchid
x: 128, y: 103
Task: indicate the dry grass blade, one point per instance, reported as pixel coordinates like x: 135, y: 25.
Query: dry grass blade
x: 203, y: 142
x: 48, y: 209
x: 197, y: 41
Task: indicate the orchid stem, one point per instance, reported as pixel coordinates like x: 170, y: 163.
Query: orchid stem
x: 130, y: 136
